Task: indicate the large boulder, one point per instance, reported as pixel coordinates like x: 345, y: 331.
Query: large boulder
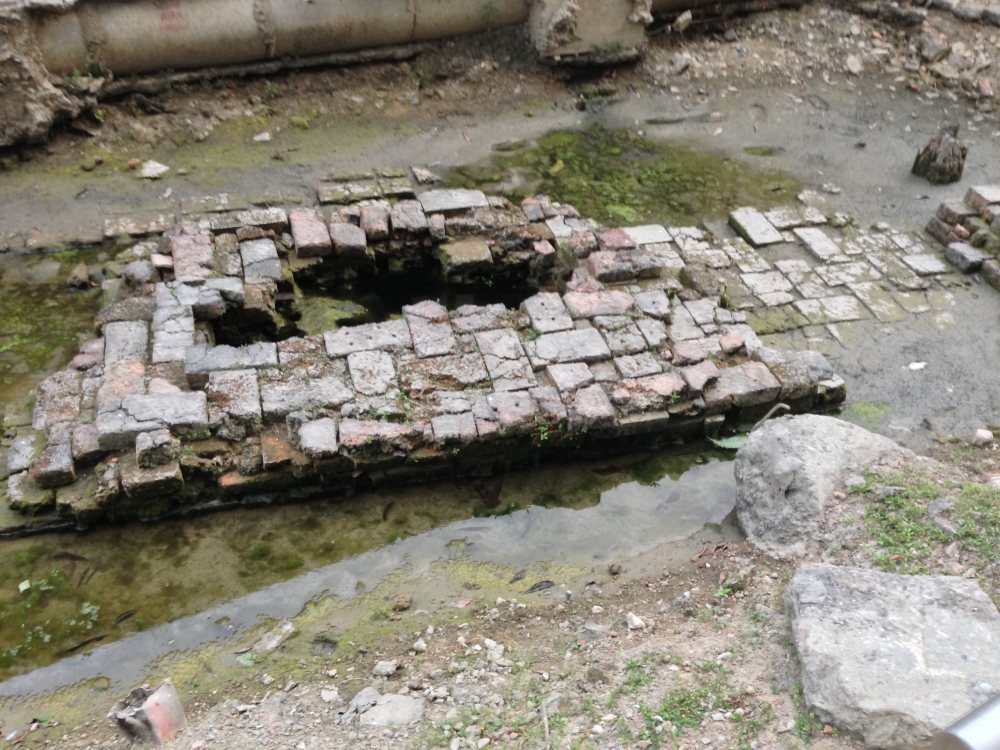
x: 787, y: 471
x: 892, y: 658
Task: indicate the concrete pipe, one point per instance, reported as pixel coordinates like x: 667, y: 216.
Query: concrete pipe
x: 149, y: 35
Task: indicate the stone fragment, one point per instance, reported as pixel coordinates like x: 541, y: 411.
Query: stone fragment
x: 942, y: 160
x: 309, y: 233
x: 474, y: 318
x: 980, y: 197
x: 156, y: 488
x: 156, y: 448
x: 86, y: 447
x: 751, y: 225
x: 551, y: 409
x: 299, y: 392
x: 788, y: 470
x: 583, y: 345
x: 652, y: 393
x: 547, y: 312
x: 831, y: 309
x: 318, y: 438
x: 457, y: 371
x: 233, y: 397
x: 185, y: 412
x: 260, y: 260
x: 23, y: 451
x: 139, y: 272
x: 768, y: 282
x: 654, y: 331
x: 845, y: 620
x: 648, y: 234
x: 632, y: 366
x: 388, y: 336
x: 982, y: 439
x: 925, y: 264
x: 688, y: 353
x: 372, y: 372
x: 964, y: 257
x: 731, y: 343
x: 408, y: 221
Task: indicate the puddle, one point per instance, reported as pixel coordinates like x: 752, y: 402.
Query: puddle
x: 42, y: 322
x: 216, y: 577
x: 617, y: 176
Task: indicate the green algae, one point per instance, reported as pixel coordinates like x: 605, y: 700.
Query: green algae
x: 617, y: 176
x: 871, y: 415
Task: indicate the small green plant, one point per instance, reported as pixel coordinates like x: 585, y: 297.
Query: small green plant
x: 533, y: 334
x: 807, y: 726
x: 271, y: 90
x: 99, y: 115
x: 723, y: 591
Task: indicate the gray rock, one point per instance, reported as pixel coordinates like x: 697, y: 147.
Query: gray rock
x: 388, y: 336
x: 449, y: 428
x: 57, y: 399
x: 371, y: 372
x: 22, y: 452
x: 788, y: 470
x: 54, y: 468
x: 233, y: 396
x: 156, y: 448
x: 183, y: 411
x: 364, y: 700
x: 203, y: 359
x: 231, y: 290
x: 385, y: 668
x: 139, y: 272
x: 349, y: 241
x: 547, y: 312
x: 300, y: 393
x: 393, y: 710
x: 751, y: 225
x: 892, y: 658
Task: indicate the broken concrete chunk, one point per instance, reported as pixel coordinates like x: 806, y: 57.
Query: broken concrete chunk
x: 156, y: 448
x: 154, y: 716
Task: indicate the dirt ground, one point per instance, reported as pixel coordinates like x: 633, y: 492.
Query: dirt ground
x: 713, y: 665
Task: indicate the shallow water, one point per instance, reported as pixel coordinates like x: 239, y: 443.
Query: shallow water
x: 601, y: 518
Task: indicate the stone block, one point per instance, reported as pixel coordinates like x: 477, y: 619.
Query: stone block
x: 688, y: 353
x: 751, y: 225
x: 120, y: 380
x: 203, y: 360
x: 57, y: 399
x: 156, y: 488
x: 86, y: 448
x: 408, y: 221
x: 505, y: 359
x: 309, y: 233
x: 474, y: 318
x: 452, y: 201
x: 23, y: 452
x: 54, y: 467
x: 654, y: 331
x: 991, y: 273
x: 614, y: 240
x: 621, y: 266
x: 260, y: 260
x: 621, y: 334
x: 698, y: 377
x: 831, y: 309
x: 318, y: 438
x: 233, y: 396
x: 456, y: 371
x: 925, y: 264
x: 372, y: 372
x: 139, y: 272
x: 647, y: 235
x: 980, y: 197
x: 430, y: 329
x: 964, y: 257
x: 465, y: 255
x: 25, y: 496
x: 388, y: 336
x: 192, y: 256
x: 184, y: 412
x: 583, y: 345
x: 570, y: 377
x: 551, y: 409
x: 511, y: 413
x: 880, y: 658
x: 126, y: 340
x: 374, y: 221
x: 942, y: 232
x: 281, y: 397
x: 156, y: 448
x: 454, y: 428
x: 589, y: 304
x: 278, y: 453
x: 818, y: 243
x: 349, y: 241
x: 589, y: 408
x: 547, y: 312
x: 750, y: 384
x: 370, y: 437
x: 635, y: 366
x: 654, y: 303
x: 954, y: 212
x: 651, y: 393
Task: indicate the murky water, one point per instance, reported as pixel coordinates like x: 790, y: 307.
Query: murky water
x: 572, y: 515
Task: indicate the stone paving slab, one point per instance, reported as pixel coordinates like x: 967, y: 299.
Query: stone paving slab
x: 387, y: 336
x: 752, y: 226
x: 585, y: 345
